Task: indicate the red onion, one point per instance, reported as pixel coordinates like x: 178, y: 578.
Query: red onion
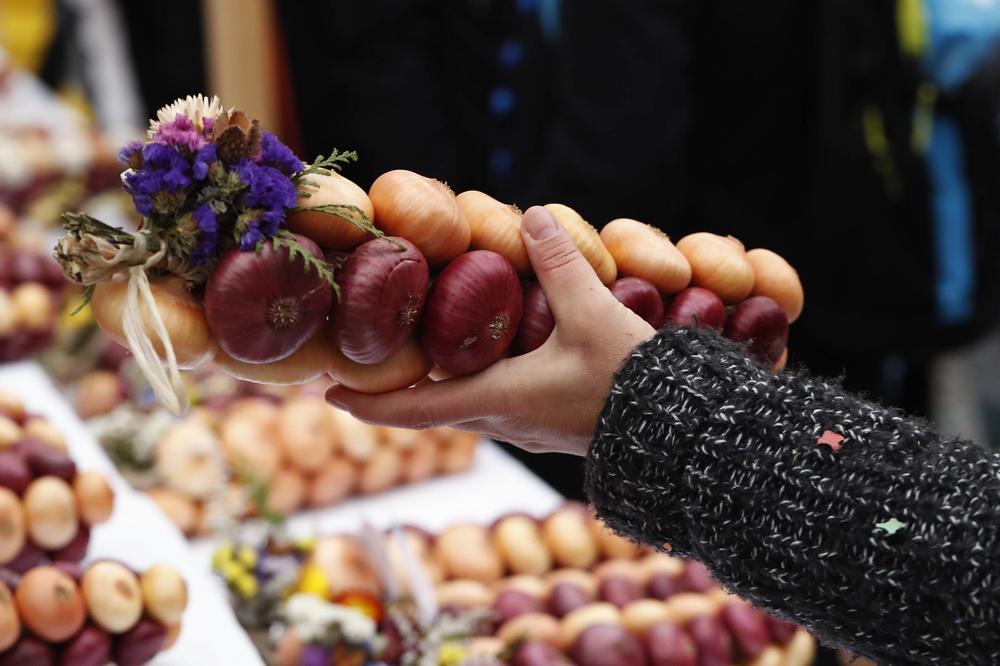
x: 537, y: 321
x: 608, y: 645
x: 28, y: 651
x: 661, y: 586
x: 710, y: 636
x: 90, y: 647
x: 382, y: 293
x: 641, y: 297
x: 14, y: 471
x: 472, y: 312
x: 781, y: 631
x: 619, y: 590
x: 697, y: 306
x: 762, y: 325
x: 510, y: 603
x: 566, y: 597
x: 76, y: 549
x: 668, y: 645
x: 748, y: 627
x: 140, y: 643
x: 29, y: 557
x: 695, y: 578
x: 264, y: 307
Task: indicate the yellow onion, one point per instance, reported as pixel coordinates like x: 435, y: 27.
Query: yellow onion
x: 718, y: 264
x: 330, y: 230
x: 587, y: 240
x: 495, y: 226
x: 183, y: 317
x: 640, y: 250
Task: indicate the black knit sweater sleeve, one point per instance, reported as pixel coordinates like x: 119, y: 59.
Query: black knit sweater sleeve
x: 889, y: 546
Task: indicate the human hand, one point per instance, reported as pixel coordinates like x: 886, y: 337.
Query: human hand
x: 548, y: 400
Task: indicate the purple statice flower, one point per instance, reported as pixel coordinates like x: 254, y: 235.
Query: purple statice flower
x: 276, y: 154
x: 208, y: 229
x: 181, y: 133
x: 163, y: 170
x: 269, y: 190
x: 204, y: 157
x: 251, y: 236
x: 128, y: 151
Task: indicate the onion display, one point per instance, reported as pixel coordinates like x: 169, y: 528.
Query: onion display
x: 472, y: 313
x: 510, y: 603
x: 618, y: 590
x: 331, y: 230
x: 467, y: 552
x: 404, y: 368
x: 587, y: 240
x: 695, y: 578
x: 520, y: 544
x: 775, y: 278
x: 537, y: 322
x: 748, y: 628
x: 537, y: 653
x: 94, y: 497
x: 382, y: 293
x: 423, y: 211
x: 569, y: 539
x: 719, y: 264
x: 643, y: 251
x: 29, y: 556
x: 712, y: 639
x: 566, y: 597
x: 530, y: 626
x: 76, y: 549
x: 762, y: 325
x: 661, y: 586
x: 113, y: 596
x: 50, y: 604
x: 183, y: 317
x: 263, y: 306
x: 496, y: 227
x: 43, y: 460
x: 697, y: 306
x: 29, y: 651
x: 15, y: 474
x: 641, y: 297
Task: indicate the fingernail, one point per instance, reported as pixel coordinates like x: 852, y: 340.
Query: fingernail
x: 539, y: 223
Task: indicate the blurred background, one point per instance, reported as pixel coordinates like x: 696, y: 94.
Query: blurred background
x: 858, y: 138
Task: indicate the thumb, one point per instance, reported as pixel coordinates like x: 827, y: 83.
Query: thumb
x: 566, y: 277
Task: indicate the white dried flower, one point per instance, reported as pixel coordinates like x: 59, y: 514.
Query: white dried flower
x: 195, y: 107
x: 315, y: 619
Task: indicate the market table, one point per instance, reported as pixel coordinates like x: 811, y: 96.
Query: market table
x: 140, y: 535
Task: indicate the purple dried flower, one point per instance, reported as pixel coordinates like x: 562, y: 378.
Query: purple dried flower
x: 163, y: 170
x: 181, y: 133
x: 276, y: 154
x: 143, y: 204
x: 251, y: 236
x: 267, y: 189
x: 208, y: 228
x: 129, y: 150
x: 205, y: 156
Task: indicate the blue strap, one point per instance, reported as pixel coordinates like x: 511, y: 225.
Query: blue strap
x: 962, y: 34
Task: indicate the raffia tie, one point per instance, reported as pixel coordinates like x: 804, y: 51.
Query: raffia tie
x: 164, y: 378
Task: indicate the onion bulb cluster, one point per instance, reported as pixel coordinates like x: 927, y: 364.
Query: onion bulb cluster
x: 564, y: 589
x: 104, y: 613
x: 47, y: 506
x: 446, y: 284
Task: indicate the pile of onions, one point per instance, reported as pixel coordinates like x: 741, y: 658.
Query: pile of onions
x: 448, y: 292
x: 47, y: 507
x: 89, y: 617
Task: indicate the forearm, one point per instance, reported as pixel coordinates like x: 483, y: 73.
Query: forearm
x: 701, y: 448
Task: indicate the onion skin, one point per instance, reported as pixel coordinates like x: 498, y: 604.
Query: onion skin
x: 10, y: 622
x: 748, y: 628
x: 140, y: 643
x: 697, y: 306
x: 643, y: 251
x: 264, y: 307
x: 719, y: 264
x: 29, y: 651
x: 50, y: 510
x: 28, y: 558
x: 405, y: 368
x: 712, y: 639
x: 76, y: 549
x: 94, y: 497
x: 90, y: 647
x: 164, y: 593
x: 537, y: 322
x: 306, y: 364
x: 330, y: 231
x: 50, y: 604
x: 113, y: 596
x: 641, y: 297
x: 762, y: 325
x: 668, y: 645
x: 382, y: 293
x: 182, y: 314
x: 495, y: 226
x: 423, y: 211
x: 15, y: 475
x: 775, y: 278
x: 472, y: 313
x: 587, y: 240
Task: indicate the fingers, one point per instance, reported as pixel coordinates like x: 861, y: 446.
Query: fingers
x: 424, y: 406
x: 568, y: 280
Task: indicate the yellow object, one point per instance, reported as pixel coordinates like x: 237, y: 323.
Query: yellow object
x: 306, y: 544
x: 911, y: 23
x: 451, y: 654
x: 27, y: 28
x: 314, y: 581
x: 223, y: 554
x: 82, y: 319
x: 247, y: 557
x: 246, y: 585
x: 231, y: 571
